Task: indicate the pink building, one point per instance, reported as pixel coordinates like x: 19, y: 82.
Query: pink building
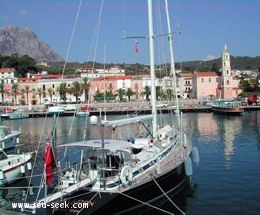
x: 205, y: 84
x: 29, y: 86
x: 109, y: 84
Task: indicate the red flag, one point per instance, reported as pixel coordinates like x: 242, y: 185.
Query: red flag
x: 136, y: 46
x: 48, y: 162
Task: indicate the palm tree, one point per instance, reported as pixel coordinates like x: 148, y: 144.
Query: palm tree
x: 76, y: 89
x: 2, y: 91
x: 50, y: 92
x: 129, y: 93
x: 40, y: 93
x: 121, y: 93
x: 159, y: 92
x: 62, y: 89
x: 22, y: 92
x: 147, y: 92
x: 169, y: 94
x: 85, y: 85
x: 27, y: 90
x: 15, y: 92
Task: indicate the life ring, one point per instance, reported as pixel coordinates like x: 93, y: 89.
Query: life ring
x: 126, y: 175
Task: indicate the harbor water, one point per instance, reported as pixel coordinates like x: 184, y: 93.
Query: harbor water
x: 226, y: 181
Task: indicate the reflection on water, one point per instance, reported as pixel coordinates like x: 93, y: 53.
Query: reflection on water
x: 13, y: 193
x: 229, y: 156
x: 229, y: 128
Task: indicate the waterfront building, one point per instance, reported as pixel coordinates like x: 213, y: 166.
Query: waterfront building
x: 185, y: 84
x: 44, y: 88
x: 136, y: 85
x: 7, y: 78
x: 204, y: 84
x: 91, y: 73
x: 28, y: 90
x: 109, y: 84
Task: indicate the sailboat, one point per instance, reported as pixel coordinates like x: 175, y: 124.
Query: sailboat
x: 117, y: 176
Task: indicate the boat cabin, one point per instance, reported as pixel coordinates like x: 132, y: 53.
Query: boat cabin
x: 3, y: 156
x: 4, y: 131
x: 110, y: 161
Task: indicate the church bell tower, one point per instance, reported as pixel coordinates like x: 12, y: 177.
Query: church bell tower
x: 226, y: 78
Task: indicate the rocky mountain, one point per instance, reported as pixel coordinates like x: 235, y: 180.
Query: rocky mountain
x: 22, y: 41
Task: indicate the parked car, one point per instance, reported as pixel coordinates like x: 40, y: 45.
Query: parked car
x: 87, y: 107
x: 70, y: 107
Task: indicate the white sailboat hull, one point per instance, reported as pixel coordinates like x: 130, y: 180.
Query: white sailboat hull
x: 12, y: 168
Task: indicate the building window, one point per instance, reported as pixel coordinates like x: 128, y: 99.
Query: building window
x: 227, y: 82
x: 227, y: 72
x: 202, y: 80
x: 209, y: 79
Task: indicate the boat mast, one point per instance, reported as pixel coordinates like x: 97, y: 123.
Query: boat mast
x: 173, y: 73
x: 152, y: 70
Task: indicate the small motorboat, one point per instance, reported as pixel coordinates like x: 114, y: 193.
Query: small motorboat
x: 8, y: 138
x: 13, y: 166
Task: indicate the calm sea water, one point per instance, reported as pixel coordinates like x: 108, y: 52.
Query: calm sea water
x: 226, y: 181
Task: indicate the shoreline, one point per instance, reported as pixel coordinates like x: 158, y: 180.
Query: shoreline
x: 188, y: 109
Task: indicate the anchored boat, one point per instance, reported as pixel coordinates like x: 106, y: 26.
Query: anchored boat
x: 227, y: 106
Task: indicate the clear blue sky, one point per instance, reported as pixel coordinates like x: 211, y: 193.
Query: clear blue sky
x: 207, y: 25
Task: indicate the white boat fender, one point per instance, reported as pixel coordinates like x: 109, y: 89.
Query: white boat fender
x: 1, y: 174
x: 22, y: 167
x: 31, y: 191
x: 188, y: 166
x: 126, y: 175
x: 185, y: 140
x: 195, y: 155
x: 29, y: 166
x: 93, y: 120
x: 17, y: 140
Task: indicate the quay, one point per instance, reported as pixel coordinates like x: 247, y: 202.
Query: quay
x: 188, y: 109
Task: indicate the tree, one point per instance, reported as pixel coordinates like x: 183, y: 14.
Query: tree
x: 15, y: 92
x: 121, y: 93
x: 40, y: 93
x: 2, y: 91
x: 76, y: 89
x: 25, y: 64
x: 245, y: 85
x: 169, y: 94
x: 129, y: 93
x: 147, y: 92
x: 50, y: 92
x: 27, y: 90
x: 62, y: 90
x: 159, y: 92
x: 22, y: 92
x: 85, y: 85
